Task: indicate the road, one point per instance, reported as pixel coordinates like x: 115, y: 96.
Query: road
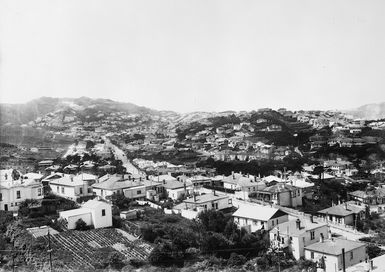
x: 120, y: 155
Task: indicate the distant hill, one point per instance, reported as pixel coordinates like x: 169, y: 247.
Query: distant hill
x: 369, y: 111
x: 18, y: 114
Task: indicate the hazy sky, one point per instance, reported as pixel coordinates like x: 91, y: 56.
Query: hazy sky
x: 197, y: 54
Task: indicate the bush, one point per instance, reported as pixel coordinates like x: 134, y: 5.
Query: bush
x: 81, y: 225
x: 236, y: 259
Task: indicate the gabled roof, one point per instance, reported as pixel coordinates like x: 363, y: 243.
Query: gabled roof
x: 334, y: 246
x: 261, y: 213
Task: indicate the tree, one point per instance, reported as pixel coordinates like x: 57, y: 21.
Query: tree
x: 81, y: 225
x: 373, y: 251
x: 213, y: 220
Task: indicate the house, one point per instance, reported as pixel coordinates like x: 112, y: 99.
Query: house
x: 297, y: 234
x: 281, y: 194
x: 73, y: 187
x: 376, y: 264
x: 133, y: 188
x: 210, y: 201
x: 255, y: 217
x: 94, y: 212
x: 177, y: 189
x: 373, y: 197
x: 15, y: 189
x: 240, y: 182
x: 344, y: 214
x: 199, y: 181
x: 303, y: 183
x: 335, y: 252
x: 274, y: 127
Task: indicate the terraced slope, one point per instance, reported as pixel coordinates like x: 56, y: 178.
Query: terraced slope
x: 83, y: 246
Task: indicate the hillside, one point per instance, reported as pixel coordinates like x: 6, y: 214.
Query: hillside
x: 63, y: 109
x: 369, y: 111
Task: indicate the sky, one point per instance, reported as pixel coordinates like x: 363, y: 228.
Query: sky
x: 196, y: 55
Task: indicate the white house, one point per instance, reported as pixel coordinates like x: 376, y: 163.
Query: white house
x: 15, y: 189
x: 255, y: 217
x: 126, y: 185
x: 73, y: 187
x: 175, y: 189
x: 282, y: 194
x: 297, y: 234
x: 240, y: 182
x: 208, y: 202
x: 330, y: 251
x: 93, y: 212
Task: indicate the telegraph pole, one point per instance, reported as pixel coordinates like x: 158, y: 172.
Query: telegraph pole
x: 13, y: 255
x: 49, y: 251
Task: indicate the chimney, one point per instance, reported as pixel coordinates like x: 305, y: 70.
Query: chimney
x: 346, y: 206
x: 255, y: 178
x: 311, y: 219
x: 298, y: 223
x: 232, y: 173
x: 195, y: 197
x: 329, y: 234
x: 72, y: 179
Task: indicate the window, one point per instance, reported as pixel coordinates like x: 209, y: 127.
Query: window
x: 57, y: 189
x: 312, y: 236
x: 62, y: 190
x: 282, y: 240
x: 81, y: 191
x: 11, y: 204
x: 312, y: 255
x: 18, y: 194
x: 351, y: 255
x: 103, y: 212
x: 1, y: 196
x: 272, y: 222
x: 39, y: 192
x: 138, y: 192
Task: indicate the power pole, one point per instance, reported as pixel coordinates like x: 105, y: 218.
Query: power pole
x: 13, y: 255
x: 49, y: 251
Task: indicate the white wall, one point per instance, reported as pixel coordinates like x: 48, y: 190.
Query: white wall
x: 9, y: 195
x: 334, y: 263
x: 100, y: 221
x: 87, y: 217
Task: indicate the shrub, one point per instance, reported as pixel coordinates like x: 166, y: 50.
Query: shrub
x: 236, y: 259
x: 81, y: 225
